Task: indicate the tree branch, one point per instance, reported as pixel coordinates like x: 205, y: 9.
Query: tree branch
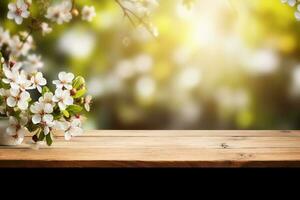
x: 132, y: 15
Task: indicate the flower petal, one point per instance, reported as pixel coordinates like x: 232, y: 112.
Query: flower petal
x: 13, y: 121
x: 12, y: 7
x: 23, y: 105
x: 10, y: 15
x: 36, y: 119
x: 69, y: 77
x: 87, y: 107
x: 11, y: 130
x: 48, y: 118
x: 19, y: 19
x: 62, y: 75
x: 25, y: 96
x: 61, y: 106
x: 11, y: 102
x: 14, y: 92
x: 48, y: 108
x: 68, y: 135
x: 68, y: 100
x: 46, y: 130
x: 76, y: 123
x: 35, y: 108
x: 25, y: 14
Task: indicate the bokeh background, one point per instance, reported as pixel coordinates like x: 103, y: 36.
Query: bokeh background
x: 221, y: 64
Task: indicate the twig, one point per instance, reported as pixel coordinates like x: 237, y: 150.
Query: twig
x: 132, y: 15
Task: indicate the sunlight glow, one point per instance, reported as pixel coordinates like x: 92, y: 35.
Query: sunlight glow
x: 189, y: 78
x: 145, y: 87
x: 80, y: 48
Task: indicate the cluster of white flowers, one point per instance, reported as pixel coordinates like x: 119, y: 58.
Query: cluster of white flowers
x: 63, y: 12
x: 59, y: 13
x: 16, y: 45
x: 58, y: 111
x: 293, y: 3
x: 21, y: 81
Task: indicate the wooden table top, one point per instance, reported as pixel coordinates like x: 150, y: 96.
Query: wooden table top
x: 161, y: 149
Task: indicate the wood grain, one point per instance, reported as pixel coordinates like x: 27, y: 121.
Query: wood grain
x: 161, y: 149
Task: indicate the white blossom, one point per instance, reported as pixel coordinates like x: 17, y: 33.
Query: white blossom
x: 37, y: 81
x: 63, y: 98
x: 45, y: 28
x: 297, y: 13
x: 4, y: 37
x: 87, y: 102
x: 47, y: 98
x: 290, y: 2
x: 22, y: 83
x: 19, y: 48
x: 65, y: 80
x: 24, y: 75
x: 11, y: 73
x: 71, y: 128
x: 47, y: 123
x: 18, y: 11
x: 4, y: 93
x: 18, y: 98
x: 13, y: 66
x: 42, y: 115
x: 33, y: 63
x: 88, y: 13
x: 41, y: 111
x: 60, y: 13
x: 16, y: 129
x: 3, y: 109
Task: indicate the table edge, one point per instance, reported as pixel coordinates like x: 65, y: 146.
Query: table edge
x: 147, y: 164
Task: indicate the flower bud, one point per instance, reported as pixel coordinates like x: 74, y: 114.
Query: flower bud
x: 12, y: 64
x: 78, y: 82
x: 35, y: 138
x: 73, y: 91
x: 75, y: 12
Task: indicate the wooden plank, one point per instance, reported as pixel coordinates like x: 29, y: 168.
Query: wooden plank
x: 162, y: 149
x: 171, y: 142
x: 147, y: 157
x: 191, y: 133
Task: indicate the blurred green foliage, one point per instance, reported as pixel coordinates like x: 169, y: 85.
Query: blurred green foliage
x: 224, y: 64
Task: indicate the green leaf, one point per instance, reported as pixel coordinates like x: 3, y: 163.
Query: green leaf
x: 78, y: 82
x: 57, y: 115
x: 79, y: 93
x: 66, y: 113
x: 42, y: 136
x: 4, y: 85
x: 32, y: 127
x: 74, y: 108
x: 45, y: 90
x: 49, y: 139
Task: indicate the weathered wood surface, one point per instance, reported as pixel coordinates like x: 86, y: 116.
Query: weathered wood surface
x: 161, y: 149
